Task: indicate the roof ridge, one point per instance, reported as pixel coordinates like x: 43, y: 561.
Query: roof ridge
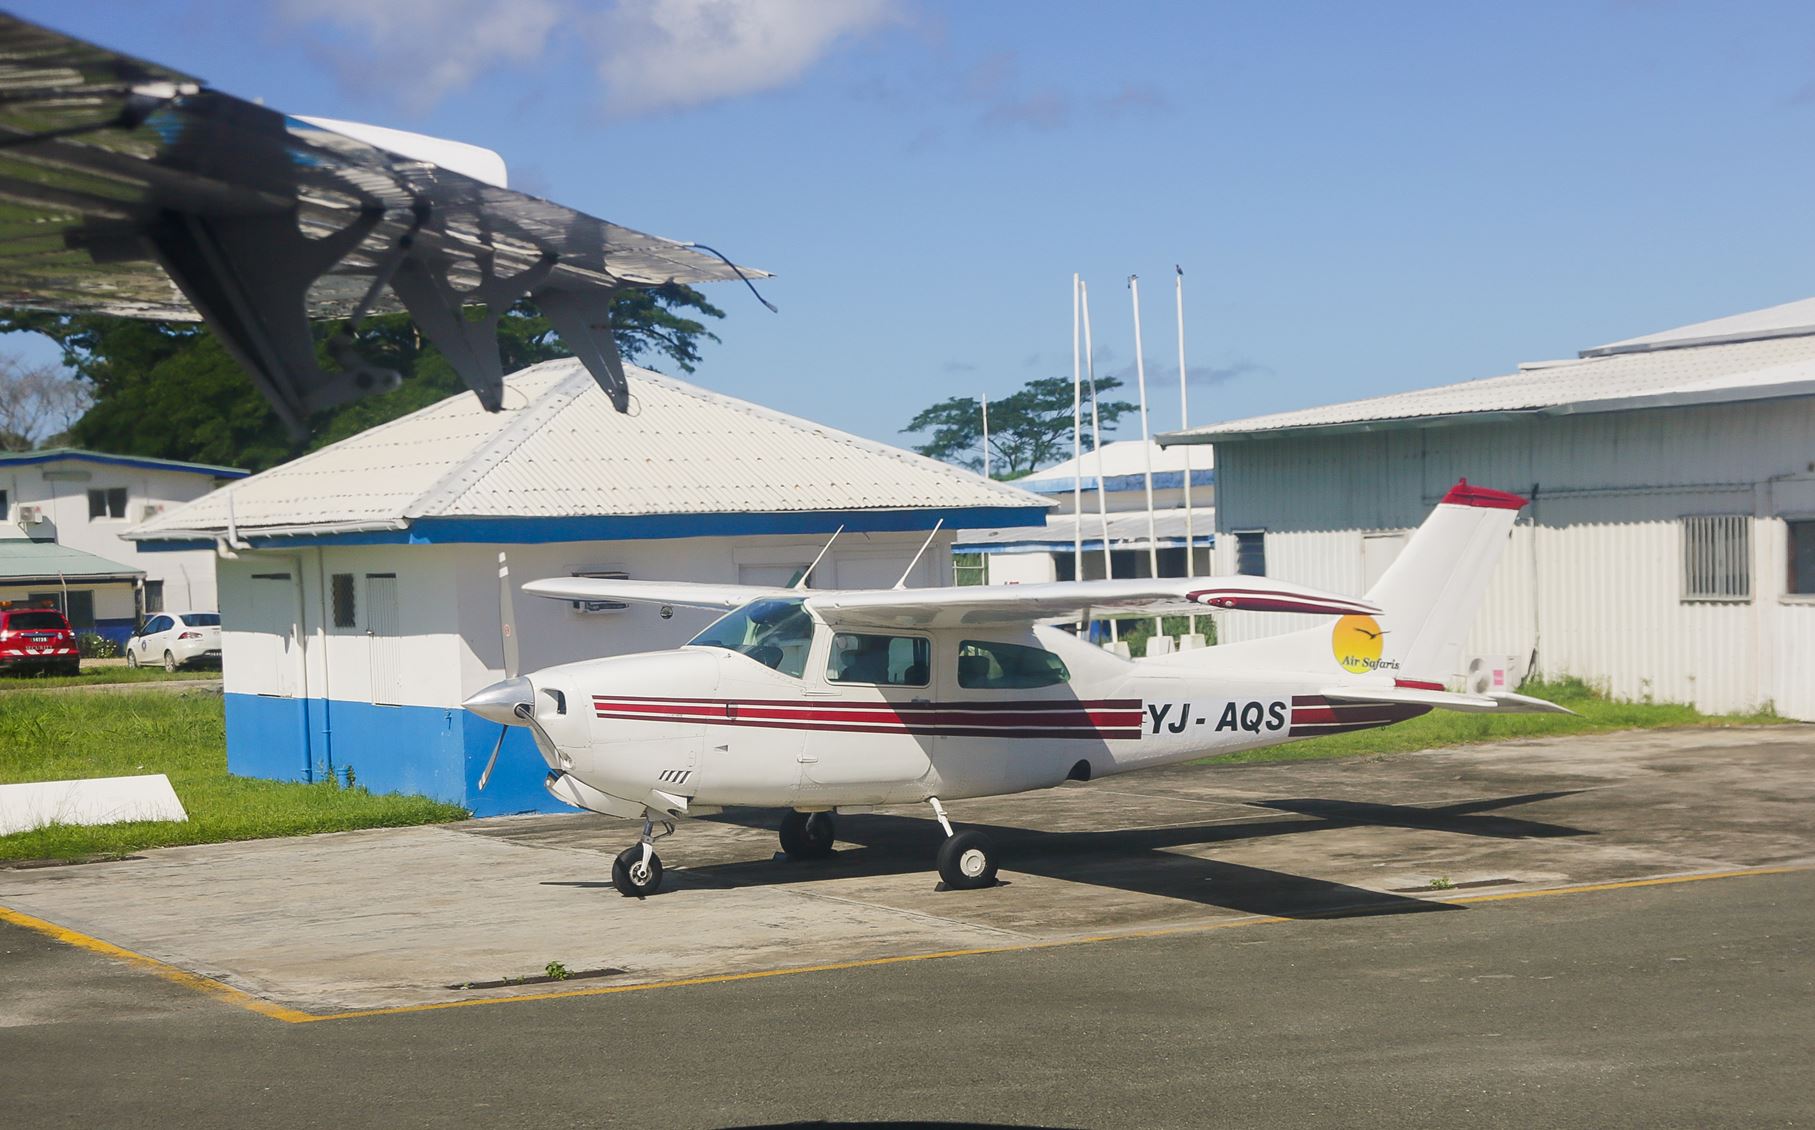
x: 874, y: 447
x: 454, y: 482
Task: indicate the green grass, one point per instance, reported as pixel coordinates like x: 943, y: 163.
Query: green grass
x: 48, y: 737
x: 1595, y: 713
x: 93, y: 675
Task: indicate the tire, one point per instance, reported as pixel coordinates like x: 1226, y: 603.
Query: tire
x: 807, y: 835
x: 170, y: 663
x: 628, y: 877
x: 967, y: 861
x: 131, y: 659
x: 73, y: 667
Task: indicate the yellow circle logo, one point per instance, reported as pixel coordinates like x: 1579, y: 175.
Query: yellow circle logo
x: 1356, y: 642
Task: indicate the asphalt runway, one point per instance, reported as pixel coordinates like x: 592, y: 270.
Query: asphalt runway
x: 1622, y: 938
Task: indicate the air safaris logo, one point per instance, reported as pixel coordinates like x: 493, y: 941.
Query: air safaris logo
x: 1356, y: 642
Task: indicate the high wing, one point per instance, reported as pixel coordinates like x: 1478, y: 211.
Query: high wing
x: 133, y: 189
x: 687, y: 594
x: 1001, y: 605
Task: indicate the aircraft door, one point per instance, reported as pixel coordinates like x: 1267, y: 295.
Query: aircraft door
x: 873, y: 723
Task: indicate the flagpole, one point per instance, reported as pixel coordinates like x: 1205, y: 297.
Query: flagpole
x: 986, y: 435
x: 1140, y: 376
x: 1077, y: 444
x: 1184, y: 422
x: 1096, y: 445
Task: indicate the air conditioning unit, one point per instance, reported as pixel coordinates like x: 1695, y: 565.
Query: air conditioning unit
x: 1492, y: 674
x: 150, y: 510
x: 600, y: 607
x: 31, y: 515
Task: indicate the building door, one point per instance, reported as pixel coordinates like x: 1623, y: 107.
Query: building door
x: 271, y: 636
x: 384, y: 636
x: 1377, y: 552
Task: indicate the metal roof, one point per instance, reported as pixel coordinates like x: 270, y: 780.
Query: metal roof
x: 1127, y: 530
x: 1123, y: 467
x: 560, y: 451
x: 1791, y: 319
x: 1772, y: 364
x: 23, y: 560
x: 145, y: 462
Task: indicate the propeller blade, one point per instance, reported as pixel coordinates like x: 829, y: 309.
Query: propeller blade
x: 507, y: 617
x: 492, y: 761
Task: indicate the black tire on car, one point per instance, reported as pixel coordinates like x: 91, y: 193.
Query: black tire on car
x: 170, y: 663
x: 131, y: 659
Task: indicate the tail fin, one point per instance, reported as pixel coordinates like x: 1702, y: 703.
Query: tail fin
x: 1428, y: 599
x: 1430, y: 594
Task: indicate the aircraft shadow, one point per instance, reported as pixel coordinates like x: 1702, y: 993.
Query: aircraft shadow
x: 1145, y: 860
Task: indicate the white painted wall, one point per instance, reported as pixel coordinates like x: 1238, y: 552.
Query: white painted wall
x: 61, y: 489
x: 1591, y: 583
x: 448, y: 644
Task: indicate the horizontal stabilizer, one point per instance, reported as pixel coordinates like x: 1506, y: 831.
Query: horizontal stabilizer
x: 1498, y: 703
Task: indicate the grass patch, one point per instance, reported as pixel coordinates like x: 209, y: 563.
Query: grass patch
x: 1595, y: 713
x: 95, y: 675
x: 50, y: 737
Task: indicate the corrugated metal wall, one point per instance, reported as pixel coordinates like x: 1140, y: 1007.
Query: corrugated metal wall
x: 1592, y: 581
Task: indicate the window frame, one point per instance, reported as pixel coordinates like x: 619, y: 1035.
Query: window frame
x: 154, y: 597
x: 1790, y: 591
x: 831, y: 650
x: 1713, y: 563
x: 1245, y: 538
x: 351, y: 585
x: 107, y: 496
x: 958, y: 658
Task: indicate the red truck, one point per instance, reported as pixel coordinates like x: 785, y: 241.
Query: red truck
x: 37, y: 638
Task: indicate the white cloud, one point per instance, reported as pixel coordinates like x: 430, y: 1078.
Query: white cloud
x: 649, y: 55
x: 424, y: 50
x: 671, y: 54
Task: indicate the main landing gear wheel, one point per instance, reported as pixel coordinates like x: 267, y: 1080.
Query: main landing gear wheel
x: 635, y: 878
x: 807, y: 835
x: 967, y: 861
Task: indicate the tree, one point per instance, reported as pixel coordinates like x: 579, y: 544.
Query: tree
x: 170, y: 391
x: 1027, y: 429
x: 38, y: 404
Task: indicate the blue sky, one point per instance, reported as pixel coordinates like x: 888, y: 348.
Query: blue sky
x: 1364, y: 197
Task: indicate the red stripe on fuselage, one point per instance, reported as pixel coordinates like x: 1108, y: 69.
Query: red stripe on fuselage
x: 1106, y: 718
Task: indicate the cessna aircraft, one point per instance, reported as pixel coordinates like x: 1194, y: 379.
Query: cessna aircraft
x: 820, y: 701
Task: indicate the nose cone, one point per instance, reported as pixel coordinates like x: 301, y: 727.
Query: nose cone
x: 499, y: 702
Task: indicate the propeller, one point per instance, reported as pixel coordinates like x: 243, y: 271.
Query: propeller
x: 513, y: 701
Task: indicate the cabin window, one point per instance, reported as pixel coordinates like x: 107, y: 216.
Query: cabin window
x: 776, y: 633
x: 986, y: 665
x: 107, y: 503
x: 890, y: 661
x: 345, y: 610
x: 1717, y: 557
x: 1251, y: 553
x: 1802, y: 557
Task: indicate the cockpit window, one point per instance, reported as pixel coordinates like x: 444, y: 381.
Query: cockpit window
x: 776, y: 633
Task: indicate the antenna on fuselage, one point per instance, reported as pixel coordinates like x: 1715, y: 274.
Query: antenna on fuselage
x: 902, y: 583
x: 802, y: 583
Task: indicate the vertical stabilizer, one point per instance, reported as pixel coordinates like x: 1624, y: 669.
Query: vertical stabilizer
x: 1430, y: 594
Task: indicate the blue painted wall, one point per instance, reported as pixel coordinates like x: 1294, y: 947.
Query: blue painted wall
x: 432, y: 751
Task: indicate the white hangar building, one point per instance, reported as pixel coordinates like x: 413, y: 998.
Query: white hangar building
x: 1668, y: 552
x: 359, y: 594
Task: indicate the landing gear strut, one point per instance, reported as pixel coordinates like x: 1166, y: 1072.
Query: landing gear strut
x: 637, y: 872
x: 807, y: 835
x: 967, y: 859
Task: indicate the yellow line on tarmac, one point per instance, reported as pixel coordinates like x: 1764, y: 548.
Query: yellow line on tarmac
x: 219, y: 990
x: 245, y: 1000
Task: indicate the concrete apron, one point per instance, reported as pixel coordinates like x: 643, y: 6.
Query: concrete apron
x: 394, y: 917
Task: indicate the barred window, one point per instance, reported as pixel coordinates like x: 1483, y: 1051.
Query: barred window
x: 1251, y: 553
x: 973, y: 568
x: 1717, y: 557
x: 345, y: 613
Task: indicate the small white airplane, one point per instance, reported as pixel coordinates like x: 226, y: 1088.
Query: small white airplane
x: 822, y: 701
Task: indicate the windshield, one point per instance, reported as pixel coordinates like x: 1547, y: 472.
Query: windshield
x: 775, y: 633
x: 25, y: 621
x: 202, y: 619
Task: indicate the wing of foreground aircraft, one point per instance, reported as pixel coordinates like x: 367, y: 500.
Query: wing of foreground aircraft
x: 133, y: 189
x: 976, y: 605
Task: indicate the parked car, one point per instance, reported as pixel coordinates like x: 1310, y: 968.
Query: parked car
x: 176, y: 639
x: 37, y: 638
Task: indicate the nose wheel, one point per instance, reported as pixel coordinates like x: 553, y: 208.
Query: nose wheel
x: 967, y: 859
x: 637, y: 872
